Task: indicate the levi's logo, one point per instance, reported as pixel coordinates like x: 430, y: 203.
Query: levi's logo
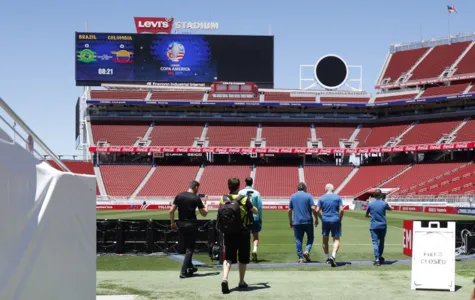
x: 153, y: 25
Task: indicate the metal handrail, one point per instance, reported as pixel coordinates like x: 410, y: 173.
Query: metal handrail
x: 30, y: 132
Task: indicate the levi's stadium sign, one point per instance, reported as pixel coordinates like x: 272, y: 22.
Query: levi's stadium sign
x: 165, y: 25
x: 275, y: 150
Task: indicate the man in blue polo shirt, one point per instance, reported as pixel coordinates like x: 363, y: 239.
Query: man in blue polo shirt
x: 301, y: 208
x: 378, y: 226
x: 330, y: 207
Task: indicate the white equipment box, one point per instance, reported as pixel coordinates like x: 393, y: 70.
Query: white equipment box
x: 433, y: 256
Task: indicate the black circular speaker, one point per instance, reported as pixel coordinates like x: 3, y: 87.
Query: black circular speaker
x: 331, y: 72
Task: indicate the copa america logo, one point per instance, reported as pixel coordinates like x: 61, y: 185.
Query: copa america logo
x: 175, y: 52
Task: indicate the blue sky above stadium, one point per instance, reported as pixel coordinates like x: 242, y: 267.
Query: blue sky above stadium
x: 37, y: 57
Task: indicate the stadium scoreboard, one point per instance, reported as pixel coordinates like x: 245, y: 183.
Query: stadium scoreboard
x: 173, y: 58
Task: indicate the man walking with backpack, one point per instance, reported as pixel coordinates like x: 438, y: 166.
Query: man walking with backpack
x: 234, y: 221
x: 257, y: 203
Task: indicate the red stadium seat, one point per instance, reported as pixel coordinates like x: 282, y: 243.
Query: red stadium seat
x: 369, y: 177
x: 276, y: 181
x: 439, y: 58
x: 316, y: 177
x: 214, y: 180
x: 401, y: 62
x: 168, y: 181
x: 231, y: 135
x: 122, y: 180
x: 286, y: 136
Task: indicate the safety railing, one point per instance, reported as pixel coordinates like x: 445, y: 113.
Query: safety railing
x: 11, y: 122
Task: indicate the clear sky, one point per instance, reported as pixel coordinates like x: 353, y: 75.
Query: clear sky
x: 37, y: 41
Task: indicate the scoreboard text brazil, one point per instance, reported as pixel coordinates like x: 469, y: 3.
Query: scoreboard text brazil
x: 173, y: 58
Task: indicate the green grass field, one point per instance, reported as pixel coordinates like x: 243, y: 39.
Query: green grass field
x: 277, y: 246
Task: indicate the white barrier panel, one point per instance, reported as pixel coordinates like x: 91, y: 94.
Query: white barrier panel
x: 433, y: 256
x: 47, y: 230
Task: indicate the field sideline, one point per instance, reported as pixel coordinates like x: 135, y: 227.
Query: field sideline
x: 155, y: 276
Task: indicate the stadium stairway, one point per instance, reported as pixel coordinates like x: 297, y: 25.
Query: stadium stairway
x: 355, y: 133
x: 200, y: 173
x: 401, y: 136
x: 147, y: 134
x: 301, y: 174
x: 395, y: 176
x: 347, y: 179
x: 451, y: 136
x: 100, y: 182
x: 143, y: 183
x: 421, y: 59
x: 457, y: 61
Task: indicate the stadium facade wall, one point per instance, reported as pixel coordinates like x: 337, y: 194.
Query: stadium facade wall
x: 47, y: 229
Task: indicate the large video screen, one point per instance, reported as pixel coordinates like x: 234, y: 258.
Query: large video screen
x: 173, y: 58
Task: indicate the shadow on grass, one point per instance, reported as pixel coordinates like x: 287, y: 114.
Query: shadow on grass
x: 205, y: 274
x: 252, y: 287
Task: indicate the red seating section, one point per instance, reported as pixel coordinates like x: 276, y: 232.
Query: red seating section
x: 419, y: 174
x: 118, y: 95
x: 444, y: 90
x: 331, y: 135
x: 467, y: 64
x: 441, y: 57
x: 344, y: 99
x: 77, y: 167
x: 288, y: 136
x: 121, y: 181
x: 401, y: 62
x: 177, y: 95
x: 168, y: 181
x: 457, y: 183
x: 119, y: 135
x: 368, y: 177
x: 466, y: 133
x: 285, y: 96
x: 428, y: 132
x: 276, y: 181
x: 214, y: 181
x: 378, y: 136
x: 316, y: 177
x: 457, y: 179
x: 231, y: 135
x: 175, y: 135
x: 395, y: 98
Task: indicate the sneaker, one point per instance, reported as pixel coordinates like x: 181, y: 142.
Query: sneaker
x: 307, y: 256
x: 185, y: 275
x: 381, y: 260
x: 328, y: 261
x: 333, y: 261
x: 254, y: 256
x: 225, y: 287
x: 300, y: 261
x: 376, y: 263
x: 243, y: 285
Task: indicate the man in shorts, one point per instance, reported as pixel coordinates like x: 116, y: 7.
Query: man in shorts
x: 257, y: 203
x: 330, y: 210
x: 237, y: 246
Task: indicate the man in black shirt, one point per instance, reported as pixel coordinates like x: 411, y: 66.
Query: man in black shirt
x: 186, y: 203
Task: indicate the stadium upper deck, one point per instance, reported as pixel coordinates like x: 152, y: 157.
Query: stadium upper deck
x: 435, y: 61
x: 426, y: 102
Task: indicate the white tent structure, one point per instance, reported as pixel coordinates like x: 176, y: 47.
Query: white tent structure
x: 47, y: 223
